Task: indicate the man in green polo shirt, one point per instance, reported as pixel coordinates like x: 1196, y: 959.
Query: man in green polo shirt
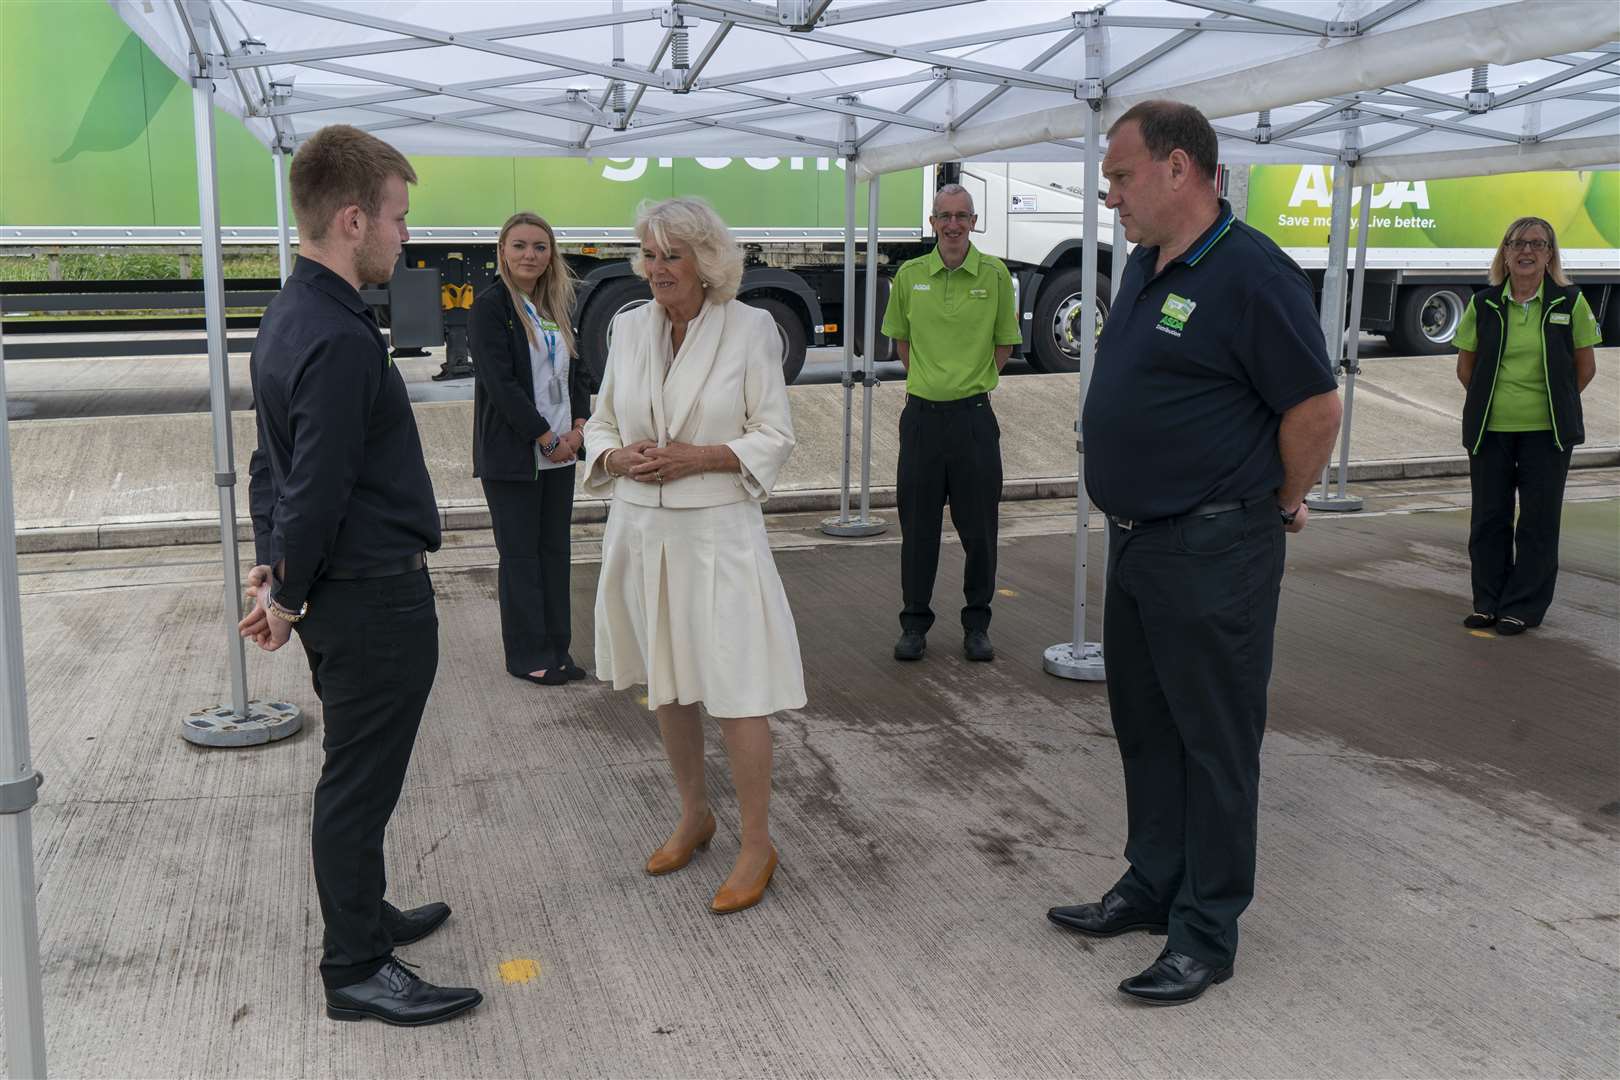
x: 952, y: 317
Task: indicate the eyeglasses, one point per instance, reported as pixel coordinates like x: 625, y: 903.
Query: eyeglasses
x: 1527, y: 245
x: 962, y: 216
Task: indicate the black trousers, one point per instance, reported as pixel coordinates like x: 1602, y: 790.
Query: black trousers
x: 1516, y: 569
x: 531, y: 519
x: 1187, y: 632
x: 373, y: 648
x: 949, y: 452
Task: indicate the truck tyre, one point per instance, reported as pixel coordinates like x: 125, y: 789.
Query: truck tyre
x: 1426, y: 319
x: 1611, y: 318
x: 884, y: 346
x: 791, y: 329
x: 1057, y: 314
x: 610, y: 298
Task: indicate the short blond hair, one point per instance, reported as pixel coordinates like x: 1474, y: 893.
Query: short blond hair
x: 692, y: 222
x: 341, y: 166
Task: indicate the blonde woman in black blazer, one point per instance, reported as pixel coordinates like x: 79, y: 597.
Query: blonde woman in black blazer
x: 530, y: 401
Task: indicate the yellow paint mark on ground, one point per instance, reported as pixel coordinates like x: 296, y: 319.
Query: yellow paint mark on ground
x: 641, y: 699
x: 1006, y: 592
x: 514, y: 972
x: 1481, y: 633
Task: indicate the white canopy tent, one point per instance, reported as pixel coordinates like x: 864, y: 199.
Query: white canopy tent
x: 886, y: 84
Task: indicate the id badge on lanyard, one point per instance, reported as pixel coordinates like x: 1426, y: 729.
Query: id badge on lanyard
x: 555, y: 391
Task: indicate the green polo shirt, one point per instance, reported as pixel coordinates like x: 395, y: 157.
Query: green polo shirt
x: 954, y: 319
x: 1520, y: 402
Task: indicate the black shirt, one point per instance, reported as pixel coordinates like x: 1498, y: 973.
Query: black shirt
x: 1195, y: 367
x: 338, y: 480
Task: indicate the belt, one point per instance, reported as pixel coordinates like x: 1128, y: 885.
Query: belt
x: 942, y: 406
x: 1207, y: 510
x: 391, y: 568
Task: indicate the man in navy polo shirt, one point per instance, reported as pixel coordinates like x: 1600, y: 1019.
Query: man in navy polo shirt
x: 1212, y: 408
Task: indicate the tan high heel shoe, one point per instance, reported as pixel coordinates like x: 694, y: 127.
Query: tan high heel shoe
x: 664, y: 861
x: 727, y: 901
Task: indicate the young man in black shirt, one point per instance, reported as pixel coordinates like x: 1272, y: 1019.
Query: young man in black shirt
x: 343, y: 512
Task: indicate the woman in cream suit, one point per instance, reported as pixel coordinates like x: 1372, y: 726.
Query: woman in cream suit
x: 690, y: 431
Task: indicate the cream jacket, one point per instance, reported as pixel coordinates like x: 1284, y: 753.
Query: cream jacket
x: 725, y: 386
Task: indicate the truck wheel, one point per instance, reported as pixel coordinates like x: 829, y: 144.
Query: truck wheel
x: 1611, y: 318
x: 884, y: 346
x: 1427, y: 318
x: 609, y: 299
x: 791, y: 329
x: 1057, y: 321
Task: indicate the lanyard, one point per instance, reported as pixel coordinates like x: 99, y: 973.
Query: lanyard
x: 548, y: 334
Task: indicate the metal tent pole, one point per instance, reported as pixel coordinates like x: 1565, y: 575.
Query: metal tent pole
x: 19, y: 783
x: 843, y: 524
x: 242, y: 722
x: 835, y: 526
x: 1344, y: 355
x: 1078, y: 658
x: 1341, y: 501
x: 1332, y: 310
x: 870, y: 526
x: 283, y: 240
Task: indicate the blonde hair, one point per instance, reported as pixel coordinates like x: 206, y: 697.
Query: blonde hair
x: 341, y: 166
x: 553, y: 294
x: 694, y: 223
x: 1555, y: 266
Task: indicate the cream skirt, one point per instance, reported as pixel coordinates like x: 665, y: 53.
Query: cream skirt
x: 689, y: 603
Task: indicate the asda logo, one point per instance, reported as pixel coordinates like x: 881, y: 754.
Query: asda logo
x: 1314, y: 186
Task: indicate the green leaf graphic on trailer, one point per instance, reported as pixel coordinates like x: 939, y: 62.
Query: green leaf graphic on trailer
x: 109, y: 123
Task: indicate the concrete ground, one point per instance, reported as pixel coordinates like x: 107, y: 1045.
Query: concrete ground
x: 58, y: 389
x: 1437, y: 895
x: 149, y: 479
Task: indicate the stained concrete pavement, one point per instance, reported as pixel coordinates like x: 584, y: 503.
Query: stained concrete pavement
x: 1437, y: 888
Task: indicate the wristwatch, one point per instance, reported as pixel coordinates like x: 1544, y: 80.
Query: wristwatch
x: 1288, y: 516
x: 549, y: 450
x: 287, y: 614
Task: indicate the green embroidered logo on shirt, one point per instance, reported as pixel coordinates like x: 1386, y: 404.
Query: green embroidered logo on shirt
x: 1175, y: 313
x: 1178, y: 307
x: 978, y: 294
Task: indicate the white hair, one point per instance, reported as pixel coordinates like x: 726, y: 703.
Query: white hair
x: 692, y: 222
x: 954, y: 189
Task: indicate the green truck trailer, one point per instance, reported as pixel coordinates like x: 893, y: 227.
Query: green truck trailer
x: 96, y: 150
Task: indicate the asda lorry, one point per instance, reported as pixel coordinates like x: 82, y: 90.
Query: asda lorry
x: 1430, y: 243
x: 96, y: 153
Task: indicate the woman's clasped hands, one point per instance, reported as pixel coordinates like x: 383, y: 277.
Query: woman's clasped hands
x: 650, y: 463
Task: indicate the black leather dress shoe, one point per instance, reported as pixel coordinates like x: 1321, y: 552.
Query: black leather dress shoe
x: 976, y: 646
x: 395, y: 995
x: 1108, y: 917
x: 911, y: 646
x: 572, y: 671
x: 413, y: 925
x: 1174, y: 979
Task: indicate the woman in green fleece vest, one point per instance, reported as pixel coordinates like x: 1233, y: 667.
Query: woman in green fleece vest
x: 1525, y: 353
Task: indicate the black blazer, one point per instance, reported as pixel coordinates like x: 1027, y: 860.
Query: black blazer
x: 505, y: 421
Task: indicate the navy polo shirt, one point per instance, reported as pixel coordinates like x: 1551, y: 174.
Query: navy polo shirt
x: 1195, y: 367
